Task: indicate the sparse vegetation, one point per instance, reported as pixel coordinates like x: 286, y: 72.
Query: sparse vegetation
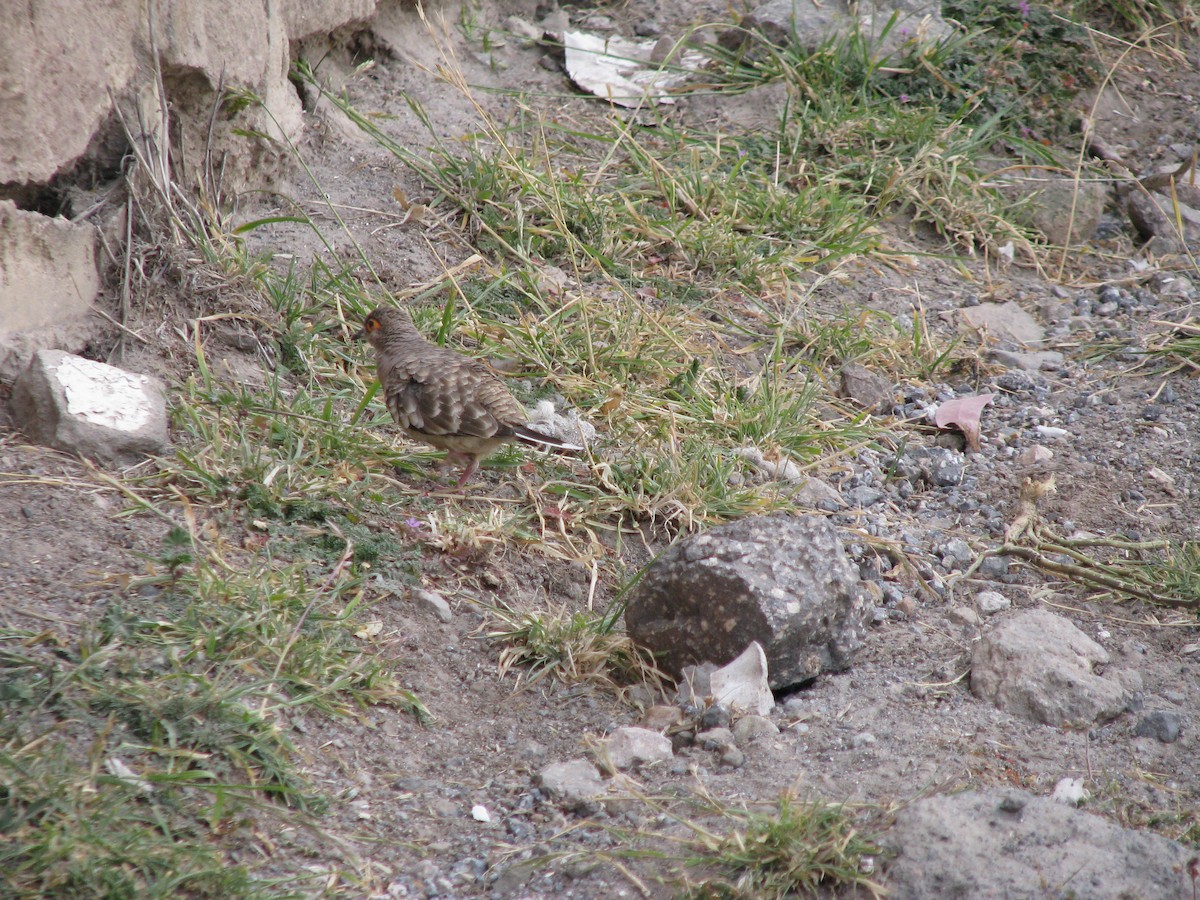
x: 571, y: 646
x: 801, y: 849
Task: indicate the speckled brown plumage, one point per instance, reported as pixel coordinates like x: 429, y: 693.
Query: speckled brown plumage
x: 443, y: 398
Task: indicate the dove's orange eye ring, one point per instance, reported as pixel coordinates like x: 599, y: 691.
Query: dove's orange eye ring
x: 372, y: 324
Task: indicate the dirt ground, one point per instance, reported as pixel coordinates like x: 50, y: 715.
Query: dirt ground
x: 899, y: 724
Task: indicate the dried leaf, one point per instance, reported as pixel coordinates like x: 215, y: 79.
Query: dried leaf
x: 963, y: 413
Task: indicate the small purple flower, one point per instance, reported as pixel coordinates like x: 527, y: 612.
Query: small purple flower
x: 412, y: 524
x: 904, y: 98
x: 1023, y: 8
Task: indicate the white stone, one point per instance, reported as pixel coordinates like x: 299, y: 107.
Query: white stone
x: 742, y: 685
x: 991, y: 602
x: 1069, y: 791
x: 90, y: 408
x: 104, y: 395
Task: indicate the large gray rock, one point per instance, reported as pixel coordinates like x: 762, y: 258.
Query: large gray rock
x: 48, y: 279
x: 55, y: 71
x: 63, y: 66
x: 1039, y: 666
x: 86, y: 407
x: 1007, y: 843
x: 780, y: 580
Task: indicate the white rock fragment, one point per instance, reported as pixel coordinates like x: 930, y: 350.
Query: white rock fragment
x: 90, y: 408
x: 1070, y: 791
x: 991, y: 602
x: 742, y: 686
x: 480, y: 813
x: 1035, y: 455
x: 1051, y: 432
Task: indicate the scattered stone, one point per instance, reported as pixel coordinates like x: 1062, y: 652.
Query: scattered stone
x: 435, y: 602
x: 1003, y: 321
x: 1005, y: 843
x: 743, y: 685
x: 733, y: 758
x: 750, y: 728
x: 716, y: 739
x: 629, y: 748
x: 86, y: 407
x: 480, y: 813
x: 1039, y: 666
x: 963, y: 615
x: 784, y: 581
x: 576, y: 784
x: 1028, y: 360
x: 867, y: 389
x: 1162, y: 725
x: 660, y: 718
x: 931, y: 465
x: 716, y: 716
x: 991, y: 602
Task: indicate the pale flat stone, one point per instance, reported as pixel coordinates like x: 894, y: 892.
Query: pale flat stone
x: 629, y: 747
x: 82, y: 406
x: 1005, y: 321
